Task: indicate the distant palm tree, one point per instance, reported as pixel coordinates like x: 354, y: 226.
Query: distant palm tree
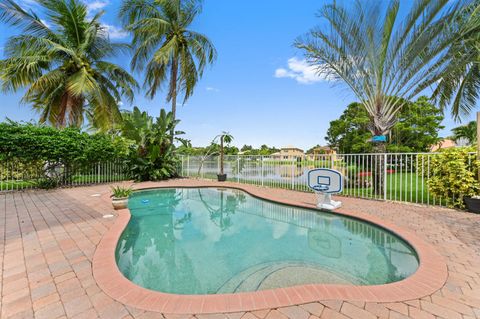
x: 382, y: 58
x: 165, y: 45
x: 61, y: 63
x: 467, y: 132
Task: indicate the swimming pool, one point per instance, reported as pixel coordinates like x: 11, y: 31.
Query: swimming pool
x: 215, y: 241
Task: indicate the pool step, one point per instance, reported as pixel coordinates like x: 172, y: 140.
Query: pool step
x: 283, y: 274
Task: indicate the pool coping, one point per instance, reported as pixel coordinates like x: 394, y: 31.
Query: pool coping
x: 430, y: 276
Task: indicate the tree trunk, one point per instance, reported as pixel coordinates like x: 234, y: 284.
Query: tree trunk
x: 173, y: 92
x: 378, y: 159
x: 221, y: 155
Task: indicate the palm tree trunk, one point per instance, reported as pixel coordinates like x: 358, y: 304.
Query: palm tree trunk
x: 379, y: 148
x: 173, y: 91
x: 221, y: 155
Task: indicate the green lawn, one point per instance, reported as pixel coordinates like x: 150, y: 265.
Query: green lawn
x: 406, y: 187
x: 14, y: 185
x: 76, y: 180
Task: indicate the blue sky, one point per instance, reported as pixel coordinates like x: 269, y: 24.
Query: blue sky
x: 259, y: 89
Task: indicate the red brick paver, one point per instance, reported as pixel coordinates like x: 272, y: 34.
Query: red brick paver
x: 48, y: 240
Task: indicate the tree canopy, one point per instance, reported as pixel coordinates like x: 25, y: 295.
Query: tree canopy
x: 415, y: 131
x: 62, y: 64
x: 467, y: 132
x: 383, y: 59
x: 166, y: 46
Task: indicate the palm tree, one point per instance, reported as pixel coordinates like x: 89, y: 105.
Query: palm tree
x: 460, y: 85
x: 467, y: 132
x: 382, y: 60
x: 61, y: 64
x: 227, y: 138
x: 165, y: 45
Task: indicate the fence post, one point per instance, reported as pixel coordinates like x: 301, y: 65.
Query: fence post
x: 293, y: 173
x: 238, y: 169
x: 385, y: 176
x: 181, y: 168
x: 188, y: 165
x: 98, y: 173
x: 261, y: 176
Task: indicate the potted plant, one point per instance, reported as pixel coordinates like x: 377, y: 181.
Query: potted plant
x: 225, y: 137
x: 120, y: 196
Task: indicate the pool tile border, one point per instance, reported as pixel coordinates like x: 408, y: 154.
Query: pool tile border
x: 429, y: 277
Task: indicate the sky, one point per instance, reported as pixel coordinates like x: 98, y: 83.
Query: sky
x: 260, y: 89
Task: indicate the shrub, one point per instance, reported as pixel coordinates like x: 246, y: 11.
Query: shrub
x: 44, y: 152
x: 454, y: 173
x: 38, y: 142
x: 47, y: 183
x: 153, y: 155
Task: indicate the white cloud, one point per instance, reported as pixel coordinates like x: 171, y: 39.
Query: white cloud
x: 300, y: 71
x: 212, y: 89
x: 96, y: 5
x: 115, y: 32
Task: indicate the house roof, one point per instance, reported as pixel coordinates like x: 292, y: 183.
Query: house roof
x: 445, y: 143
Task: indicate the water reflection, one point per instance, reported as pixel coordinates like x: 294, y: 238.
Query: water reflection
x: 197, y: 240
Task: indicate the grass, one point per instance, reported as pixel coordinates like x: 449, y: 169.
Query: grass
x: 76, y: 180
x: 405, y: 187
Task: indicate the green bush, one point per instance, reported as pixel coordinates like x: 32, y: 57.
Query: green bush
x: 47, y: 183
x: 30, y: 142
x: 454, y: 173
x: 153, y: 155
x: 30, y: 151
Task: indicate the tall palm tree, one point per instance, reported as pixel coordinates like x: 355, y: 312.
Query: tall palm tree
x: 467, y: 132
x: 61, y: 63
x: 382, y: 58
x: 166, y: 46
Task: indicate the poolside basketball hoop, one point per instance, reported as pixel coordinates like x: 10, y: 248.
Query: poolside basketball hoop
x: 325, y: 182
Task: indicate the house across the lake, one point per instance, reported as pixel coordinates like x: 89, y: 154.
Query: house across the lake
x: 289, y: 153
x: 319, y: 152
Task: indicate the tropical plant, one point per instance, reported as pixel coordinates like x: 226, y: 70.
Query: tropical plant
x: 166, y: 46
x: 454, y: 175
x: 120, y: 191
x: 226, y: 138
x: 61, y: 63
x: 467, y: 132
x: 416, y: 130
x: 153, y: 155
x: 459, y: 87
x: 383, y: 59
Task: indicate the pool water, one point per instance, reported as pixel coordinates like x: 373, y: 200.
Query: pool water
x: 210, y: 241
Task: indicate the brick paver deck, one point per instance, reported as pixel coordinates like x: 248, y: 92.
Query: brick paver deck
x: 48, y: 240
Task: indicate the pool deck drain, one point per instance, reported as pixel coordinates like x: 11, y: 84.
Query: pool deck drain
x: 48, y: 239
